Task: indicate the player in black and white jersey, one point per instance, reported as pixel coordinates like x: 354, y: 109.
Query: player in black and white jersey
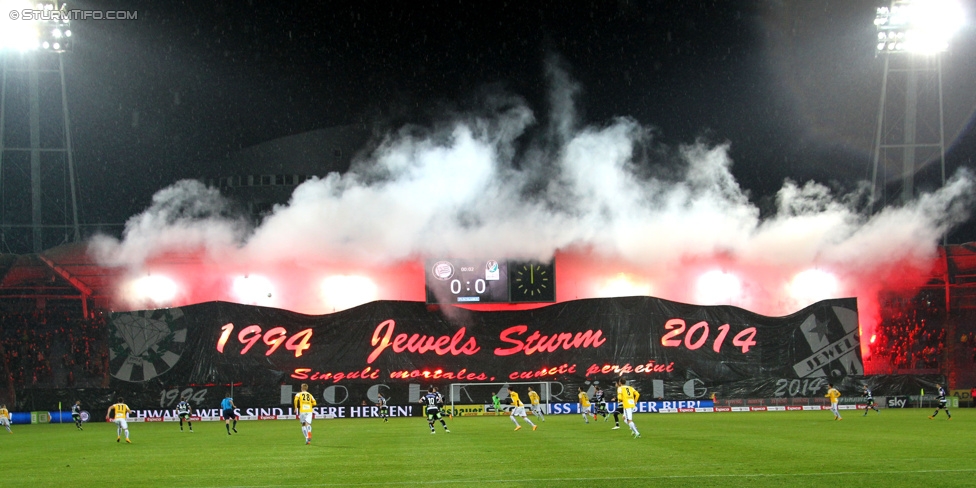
x: 183, y: 411
x: 76, y: 414
x: 600, y: 400
x: 431, y: 402
x: 440, y: 403
x: 384, y: 409
x: 869, y: 400
x: 941, y: 397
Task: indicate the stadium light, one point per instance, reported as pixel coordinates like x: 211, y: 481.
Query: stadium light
x: 341, y: 292
x: 623, y: 285
x: 253, y: 290
x: 918, y: 26
x: 813, y: 285
x: 26, y: 26
x: 155, y: 289
x: 717, y: 288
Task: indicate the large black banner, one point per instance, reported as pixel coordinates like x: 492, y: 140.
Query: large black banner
x: 667, y: 349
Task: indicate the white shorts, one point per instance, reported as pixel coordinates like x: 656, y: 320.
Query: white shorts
x: 536, y: 408
x: 4, y: 421
x: 305, y: 417
x: 121, y: 423
x: 629, y: 414
x: 518, y: 411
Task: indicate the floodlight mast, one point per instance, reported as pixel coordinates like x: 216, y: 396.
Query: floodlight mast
x: 911, y: 37
x: 29, y: 35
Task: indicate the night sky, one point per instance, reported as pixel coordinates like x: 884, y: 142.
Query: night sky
x: 792, y: 86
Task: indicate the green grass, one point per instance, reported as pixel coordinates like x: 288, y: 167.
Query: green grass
x: 896, y: 448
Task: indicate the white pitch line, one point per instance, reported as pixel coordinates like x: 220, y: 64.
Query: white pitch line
x: 625, y: 478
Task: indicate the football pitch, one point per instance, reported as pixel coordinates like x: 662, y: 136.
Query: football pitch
x: 896, y: 448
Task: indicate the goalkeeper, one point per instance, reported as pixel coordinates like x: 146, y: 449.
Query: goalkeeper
x: 497, y: 403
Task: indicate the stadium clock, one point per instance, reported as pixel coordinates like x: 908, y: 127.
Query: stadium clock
x: 532, y: 282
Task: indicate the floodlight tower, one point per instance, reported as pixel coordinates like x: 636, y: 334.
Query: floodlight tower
x: 38, y: 199
x: 912, y: 36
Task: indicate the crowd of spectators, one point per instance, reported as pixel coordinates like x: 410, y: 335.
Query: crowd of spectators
x: 52, y: 346
x: 911, y: 335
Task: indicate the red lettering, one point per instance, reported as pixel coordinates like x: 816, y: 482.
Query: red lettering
x: 517, y: 330
x: 650, y: 367
x: 564, y: 338
x: 439, y: 345
x: 384, y: 342
x: 537, y: 342
x: 224, y: 335
x: 398, y: 343
x: 412, y: 343
x: 437, y: 374
x: 587, y: 339
x: 383, y: 338
x: 457, y: 340
x: 303, y: 374
x: 530, y: 346
x: 541, y: 373
x: 249, y: 335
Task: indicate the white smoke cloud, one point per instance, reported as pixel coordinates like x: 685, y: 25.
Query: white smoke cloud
x: 186, y: 216
x: 460, y: 190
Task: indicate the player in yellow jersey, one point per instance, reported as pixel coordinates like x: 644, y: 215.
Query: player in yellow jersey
x: 5, y: 418
x: 536, y: 407
x: 304, y: 405
x: 834, y: 397
x: 518, y: 410
x: 584, y: 405
x: 627, y: 396
x: 117, y: 413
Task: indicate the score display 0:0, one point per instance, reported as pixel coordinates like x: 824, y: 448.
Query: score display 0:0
x: 479, y: 286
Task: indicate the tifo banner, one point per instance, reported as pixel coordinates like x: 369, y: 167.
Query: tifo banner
x: 668, y: 350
